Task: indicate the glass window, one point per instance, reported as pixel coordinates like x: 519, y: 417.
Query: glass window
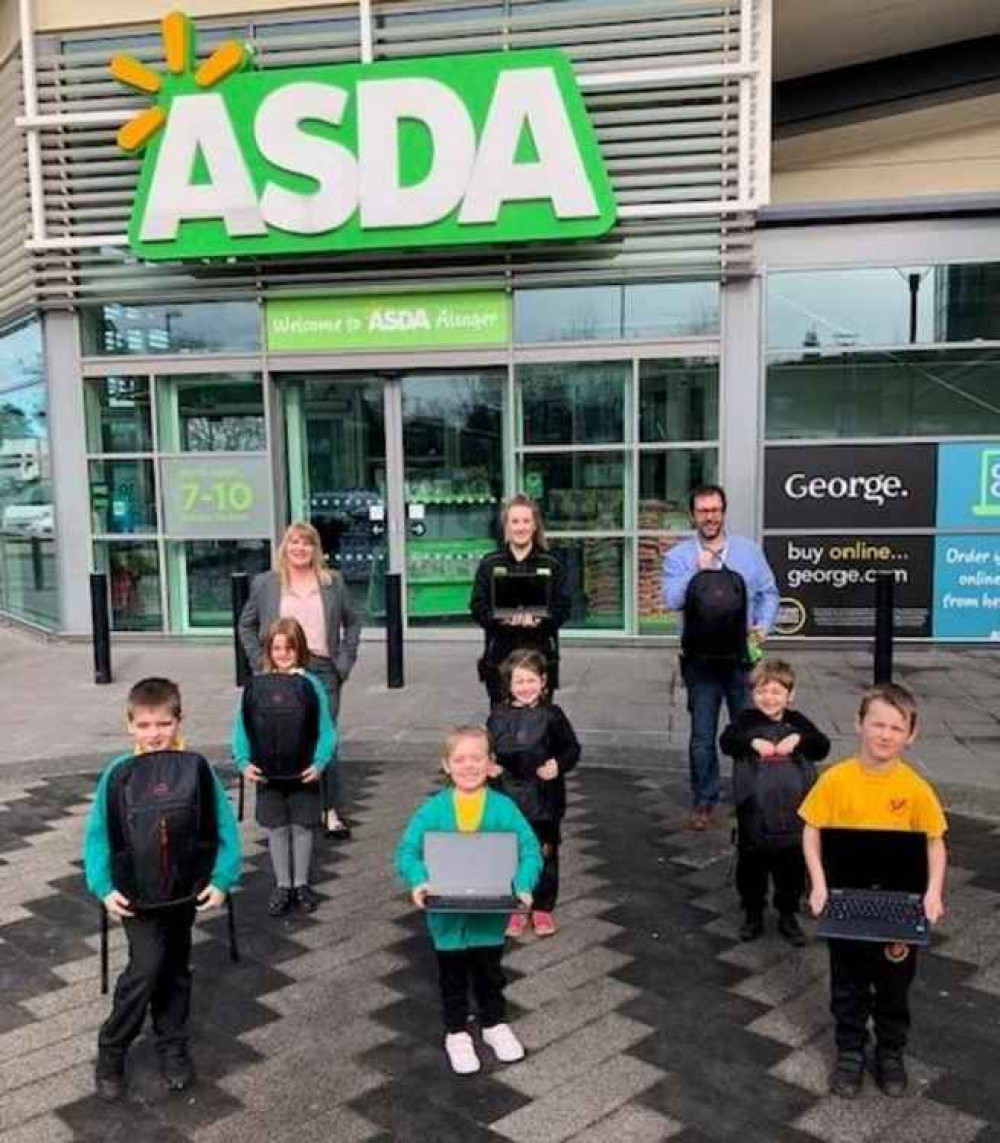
x: 671, y: 309
x: 929, y: 393
x: 595, y: 575
x: 653, y: 618
x: 573, y: 404
x: 202, y: 327
x: 133, y: 571
x: 579, y: 313
x: 122, y: 496
x: 678, y: 400
x: 576, y: 491
x: 665, y: 479
x: 209, y: 566
x: 118, y: 415
x: 21, y: 358
x: 28, y: 573
x: 211, y: 413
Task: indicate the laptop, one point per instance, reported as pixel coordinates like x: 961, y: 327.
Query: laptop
x: 877, y: 879
x: 471, y: 872
x: 517, y: 592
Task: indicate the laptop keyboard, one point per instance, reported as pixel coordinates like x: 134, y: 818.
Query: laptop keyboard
x: 875, y: 905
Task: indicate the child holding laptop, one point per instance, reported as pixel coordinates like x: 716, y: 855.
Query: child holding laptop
x: 469, y: 946
x: 875, y: 790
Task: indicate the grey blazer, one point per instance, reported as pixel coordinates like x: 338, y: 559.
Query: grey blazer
x: 263, y: 607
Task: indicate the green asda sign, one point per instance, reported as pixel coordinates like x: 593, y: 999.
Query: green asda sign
x: 388, y: 322
x: 440, y: 151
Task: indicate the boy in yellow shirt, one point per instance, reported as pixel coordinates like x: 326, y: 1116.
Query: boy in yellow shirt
x: 875, y: 789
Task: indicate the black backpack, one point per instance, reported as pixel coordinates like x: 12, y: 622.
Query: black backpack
x: 715, y: 616
x: 768, y: 794
x: 281, y: 718
x: 162, y: 827
x: 520, y: 739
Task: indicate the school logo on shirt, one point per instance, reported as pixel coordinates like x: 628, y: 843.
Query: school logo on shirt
x: 898, y: 805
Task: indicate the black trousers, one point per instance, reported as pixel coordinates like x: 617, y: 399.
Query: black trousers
x: 547, y: 890
x: 479, y: 969
x: 866, y: 982
x: 157, y: 977
x: 785, y: 867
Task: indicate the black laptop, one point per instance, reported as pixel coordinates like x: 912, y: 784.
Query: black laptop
x: 471, y: 872
x: 516, y: 592
x: 876, y: 880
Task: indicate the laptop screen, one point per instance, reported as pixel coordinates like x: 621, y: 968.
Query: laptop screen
x: 474, y: 864
x: 526, y: 590
x: 875, y: 859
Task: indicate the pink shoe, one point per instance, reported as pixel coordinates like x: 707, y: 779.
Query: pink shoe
x: 517, y: 926
x: 545, y: 923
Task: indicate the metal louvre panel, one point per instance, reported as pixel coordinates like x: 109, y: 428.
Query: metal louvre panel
x: 665, y: 142
x: 18, y: 285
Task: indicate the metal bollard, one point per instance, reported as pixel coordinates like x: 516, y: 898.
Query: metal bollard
x: 37, y: 566
x: 240, y: 583
x: 394, y: 631
x: 884, y: 624
x: 101, y: 626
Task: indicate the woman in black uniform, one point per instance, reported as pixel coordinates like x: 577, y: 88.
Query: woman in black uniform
x: 524, y: 550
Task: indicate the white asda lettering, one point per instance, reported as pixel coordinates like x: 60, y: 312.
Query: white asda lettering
x: 876, y: 488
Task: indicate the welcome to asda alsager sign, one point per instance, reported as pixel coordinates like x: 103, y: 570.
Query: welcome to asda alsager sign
x: 490, y: 148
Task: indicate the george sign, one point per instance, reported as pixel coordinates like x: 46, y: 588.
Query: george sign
x: 827, y: 583
x: 433, y: 151
x: 850, y: 486
x: 969, y: 485
x: 967, y: 587
x: 388, y: 322
x: 220, y: 497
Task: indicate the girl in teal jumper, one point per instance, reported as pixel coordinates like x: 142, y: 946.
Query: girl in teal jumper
x: 469, y: 946
x: 289, y: 809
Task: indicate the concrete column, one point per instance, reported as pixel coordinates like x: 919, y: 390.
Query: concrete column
x: 741, y: 412
x: 68, y: 453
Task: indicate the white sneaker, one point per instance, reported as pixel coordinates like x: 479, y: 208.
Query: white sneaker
x: 507, y: 1048
x: 461, y: 1053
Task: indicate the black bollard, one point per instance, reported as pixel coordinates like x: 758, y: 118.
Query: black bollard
x: 37, y: 567
x: 240, y: 583
x: 101, y: 626
x: 884, y: 623
x: 394, y: 631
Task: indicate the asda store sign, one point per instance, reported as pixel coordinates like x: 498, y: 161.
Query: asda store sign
x: 491, y: 148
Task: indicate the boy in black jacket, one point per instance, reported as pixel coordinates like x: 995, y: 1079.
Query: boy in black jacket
x: 774, y: 750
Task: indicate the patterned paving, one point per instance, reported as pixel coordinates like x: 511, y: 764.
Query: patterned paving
x: 646, y: 1019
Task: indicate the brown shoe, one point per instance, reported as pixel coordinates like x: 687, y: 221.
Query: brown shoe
x: 699, y: 819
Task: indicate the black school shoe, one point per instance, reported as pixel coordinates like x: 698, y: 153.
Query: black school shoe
x: 340, y: 832
x: 306, y: 899
x: 890, y: 1072
x: 177, y: 1069
x: 109, y: 1078
x: 752, y: 927
x: 791, y: 930
x: 280, y: 902
x: 848, y: 1073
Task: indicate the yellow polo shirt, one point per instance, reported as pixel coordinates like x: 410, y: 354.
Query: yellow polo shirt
x: 469, y: 810
x: 852, y: 796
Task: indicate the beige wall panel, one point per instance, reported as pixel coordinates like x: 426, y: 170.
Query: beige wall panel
x: 10, y: 32
x: 944, y: 150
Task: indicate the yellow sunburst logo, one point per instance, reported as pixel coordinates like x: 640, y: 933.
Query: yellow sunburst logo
x: 179, y: 52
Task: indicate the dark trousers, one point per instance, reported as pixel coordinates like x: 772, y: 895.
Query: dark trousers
x: 479, y: 969
x: 785, y: 867
x: 547, y: 890
x: 329, y: 780
x: 707, y: 684
x: 157, y: 977
x: 864, y: 983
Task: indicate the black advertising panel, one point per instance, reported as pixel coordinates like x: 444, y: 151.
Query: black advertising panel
x: 850, y: 486
x: 827, y: 583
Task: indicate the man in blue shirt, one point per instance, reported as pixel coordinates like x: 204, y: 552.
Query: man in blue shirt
x: 709, y: 680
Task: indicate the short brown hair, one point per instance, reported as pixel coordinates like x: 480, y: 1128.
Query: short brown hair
x: 292, y: 631
x: 154, y: 693
x: 773, y: 671
x: 466, y: 730
x: 899, y: 698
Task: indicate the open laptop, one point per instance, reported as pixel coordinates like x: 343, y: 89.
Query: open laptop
x: 877, y: 879
x: 471, y: 872
x: 515, y: 592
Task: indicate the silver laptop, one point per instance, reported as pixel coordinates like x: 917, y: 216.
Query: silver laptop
x: 471, y: 872
x: 520, y: 592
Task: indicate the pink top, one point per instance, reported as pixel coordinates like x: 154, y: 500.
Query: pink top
x: 306, y: 605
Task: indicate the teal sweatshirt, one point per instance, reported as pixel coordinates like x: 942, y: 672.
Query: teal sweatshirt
x: 326, y: 743
x: 97, y: 848
x: 452, y: 931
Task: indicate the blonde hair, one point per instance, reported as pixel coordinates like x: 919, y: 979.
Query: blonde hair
x: 291, y: 629
x: 467, y: 730
x: 301, y: 529
x: 520, y: 500
x: 773, y: 671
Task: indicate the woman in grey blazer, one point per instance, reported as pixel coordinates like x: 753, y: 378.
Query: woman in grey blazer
x: 302, y: 587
